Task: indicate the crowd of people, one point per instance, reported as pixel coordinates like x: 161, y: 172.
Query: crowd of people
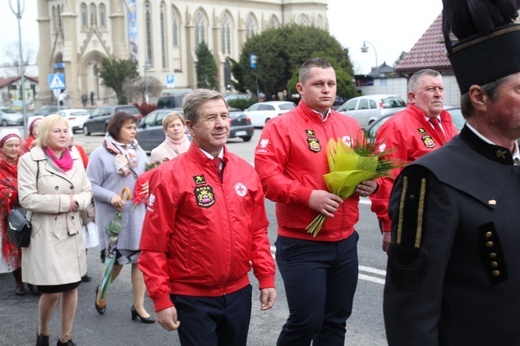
x: 447, y: 212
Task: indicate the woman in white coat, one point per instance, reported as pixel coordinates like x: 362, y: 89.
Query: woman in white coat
x: 53, y: 187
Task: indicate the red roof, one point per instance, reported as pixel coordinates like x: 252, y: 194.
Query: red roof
x: 6, y: 81
x: 428, y: 52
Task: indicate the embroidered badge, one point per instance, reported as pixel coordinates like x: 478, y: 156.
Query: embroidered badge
x: 264, y: 142
x: 312, y: 141
x: 240, y: 189
x: 199, y: 179
x: 204, y: 196
x: 426, y: 138
x: 310, y: 133
x: 347, y: 140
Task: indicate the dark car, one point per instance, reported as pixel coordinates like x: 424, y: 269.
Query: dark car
x: 172, y: 98
x: 150, y: 132
x: 99, y: 118
x: 240, y: 125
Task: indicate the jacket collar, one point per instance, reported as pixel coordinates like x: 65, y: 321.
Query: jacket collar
x: 491, y: 151
x: 310, y: 114
x: 195, y: 154
x: 37, y: 154
x: 420, y: 115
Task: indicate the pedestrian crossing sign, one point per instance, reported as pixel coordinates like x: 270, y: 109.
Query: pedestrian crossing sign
x: 56, y: 81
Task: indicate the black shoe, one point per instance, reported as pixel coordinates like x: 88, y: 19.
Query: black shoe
x: 100, y: 309
x: 42, y: 340
x: 135, y: 315
x: 20, y: 290
x: 68, y: 343
x: 86, y: 278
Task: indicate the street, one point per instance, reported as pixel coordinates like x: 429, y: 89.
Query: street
x: 19, y: 319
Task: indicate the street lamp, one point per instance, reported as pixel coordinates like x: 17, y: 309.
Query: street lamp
x: 146, y: 67
x: 18, y: 13
x: 364, y: 49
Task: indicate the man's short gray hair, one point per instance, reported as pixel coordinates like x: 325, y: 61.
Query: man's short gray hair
x: 193, y: 101
x: 416, y: 77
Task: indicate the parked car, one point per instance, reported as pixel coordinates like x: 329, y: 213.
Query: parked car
x: 150, y: 132
x: 369, y: 108
x: 75, y: 117
x: 172, y: 98
x: 455, y: 112
x: 99, y: 118
x: 240, y: 125
x: 46, y: 110
x: 262, y: 112
x: 10, y: 117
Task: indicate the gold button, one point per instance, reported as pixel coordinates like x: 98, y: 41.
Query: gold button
x: 495, y: 273
x: 489, y: 244
x: 489, y: 234
x: 494, y: 264
x: 492, y: 255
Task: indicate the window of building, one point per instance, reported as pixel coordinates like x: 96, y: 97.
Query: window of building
x: 54, y: 22
x: 58, y: 8
x: 84, y: 16
x: 163, y: 34
x: 200, y: 29
x: 102, y: 16
x: 320, y: 22
x: 303, y: 20
x: 175, y: 29
x: 226, y: 35
x: 250, y: 27
x: 148, y: 28
x: 273, y: 23
x: 93, y: 15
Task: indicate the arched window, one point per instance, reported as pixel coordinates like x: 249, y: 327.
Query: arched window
x: 273, y: 23
x: 84, y: 16
x: 102, y: 16
x: 163, y: 34
x: 226, y: 35
x: 93, y: 15
x: 148, y: 28
x: 175, y: 29
x: 200, y: 29
x: 250, y: 27
x: 303, y: 20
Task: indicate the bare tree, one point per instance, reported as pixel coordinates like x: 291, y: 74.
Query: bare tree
x: 12, y: 53
x: 137, y: 87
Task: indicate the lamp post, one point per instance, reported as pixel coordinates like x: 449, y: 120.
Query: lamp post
x: 146, y: 67
x: 364, y: 49
x: 18, y: 13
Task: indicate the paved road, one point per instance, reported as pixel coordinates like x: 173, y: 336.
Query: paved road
x: 19, y: 320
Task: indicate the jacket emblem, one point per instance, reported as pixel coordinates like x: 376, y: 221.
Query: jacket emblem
x: 240, y: 189
x: 199, y: 179
x: 426, y: 138
x: 312, y: 141
x: 204, y: 196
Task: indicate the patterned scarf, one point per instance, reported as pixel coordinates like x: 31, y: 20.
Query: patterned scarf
x: 64, y: 163
x: 9, y: 196
x: 126, y: 157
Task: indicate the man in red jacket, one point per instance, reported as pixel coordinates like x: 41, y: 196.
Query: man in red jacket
x: 205, y: 228
x: 412, y: 133
x: 320, y: 273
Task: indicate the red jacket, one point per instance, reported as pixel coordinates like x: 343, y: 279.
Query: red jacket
x: 291, y: 161
x: 413, y: 136
x: 200, y: 236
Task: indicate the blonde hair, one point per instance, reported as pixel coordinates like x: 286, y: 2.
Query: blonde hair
x: 45, y: 128
x: 171, y: 117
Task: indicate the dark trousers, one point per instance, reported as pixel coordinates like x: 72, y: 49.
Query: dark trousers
x: 320, y: 280
x: 212, y: 321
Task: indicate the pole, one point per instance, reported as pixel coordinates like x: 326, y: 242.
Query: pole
x: 364, y: 49
x: 18, y: 13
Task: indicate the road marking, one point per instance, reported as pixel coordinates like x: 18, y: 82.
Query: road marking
x: 375, y: 278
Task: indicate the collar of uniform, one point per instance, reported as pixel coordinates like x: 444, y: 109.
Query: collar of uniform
x: 485, y: 147
x: 198, y: 155
x: 209, y: 156
x: 444, y: 117
x: 311, y: 113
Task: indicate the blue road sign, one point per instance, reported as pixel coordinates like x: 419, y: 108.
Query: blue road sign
x: 252, y: 59
x: 59, y: 65
x: 170, y: 80
x: 56, y: 81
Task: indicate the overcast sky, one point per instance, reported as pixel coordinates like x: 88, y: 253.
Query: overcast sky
x: 391, y: 26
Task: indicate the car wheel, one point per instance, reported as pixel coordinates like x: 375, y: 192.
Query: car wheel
x: 4, y: 123
x: 247, y: 138
x: 86, y: 132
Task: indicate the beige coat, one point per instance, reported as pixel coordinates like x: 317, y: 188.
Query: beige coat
x: 56, y: 255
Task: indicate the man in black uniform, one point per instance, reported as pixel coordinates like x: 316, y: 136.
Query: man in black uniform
x: 453, y: 274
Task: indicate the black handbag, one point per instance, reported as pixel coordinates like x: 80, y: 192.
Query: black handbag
x: 18, y: 227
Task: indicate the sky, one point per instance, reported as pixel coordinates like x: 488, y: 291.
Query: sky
x: 390, y: 27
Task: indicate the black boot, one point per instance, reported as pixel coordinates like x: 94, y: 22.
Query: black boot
x: 42, y: 340
x: 20, y: 290
x: 68, y: 343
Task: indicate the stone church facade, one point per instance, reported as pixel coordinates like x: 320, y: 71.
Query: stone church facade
x: 161, y: 36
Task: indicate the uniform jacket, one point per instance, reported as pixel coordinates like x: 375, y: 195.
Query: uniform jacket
x: 56, y: 254
x: 106, y: 182
x: 412, y: 136
x: 460, y: 285
x: 201, y: 236
x: 291, y: 161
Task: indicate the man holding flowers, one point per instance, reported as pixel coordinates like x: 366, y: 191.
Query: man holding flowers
x: 319, y: 270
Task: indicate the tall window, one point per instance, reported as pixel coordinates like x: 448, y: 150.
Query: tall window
x: 200, y: 29
x: 102, y: 16
x: 148, y: 28
x: 59, y: 17
x: 175, y: 29
x: 226, y: 35
x: 250, y: 27
x: 273, y: 23
x: 54, y: 22
x: 93, y: 15
x: 84, y: 16
x: 163, y: 33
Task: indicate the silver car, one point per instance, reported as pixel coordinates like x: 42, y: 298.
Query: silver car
x: 369, y: 108
x: 10, y: 117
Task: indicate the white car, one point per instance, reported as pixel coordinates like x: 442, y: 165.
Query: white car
x: 262, y: 112
x: 75, y: 117
x: 10, y: 117
x: 369, y: 108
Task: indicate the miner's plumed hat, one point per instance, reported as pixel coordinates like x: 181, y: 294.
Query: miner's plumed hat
x: 482, y: 40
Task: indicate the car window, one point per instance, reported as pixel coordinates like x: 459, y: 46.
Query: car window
x: 363, y: 104
x: 95, y: 112
x: 149, y: 120
x: 286, y: 106
x: 79, y: 113
x: 159, y: 118
x: 129, y: 110
x: 393, y: 102
x: 254, y: 107
x: 265, y: 108
x: 373, y: 104
x: 351, y: 105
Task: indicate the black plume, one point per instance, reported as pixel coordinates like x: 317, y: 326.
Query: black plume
x: 468, y: 17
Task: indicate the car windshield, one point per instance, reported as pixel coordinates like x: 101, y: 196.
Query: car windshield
x: 79, y: 113
x: 393, y: 102
x: 8, y: 110
x: 286, y: 106
x: 235, y: 114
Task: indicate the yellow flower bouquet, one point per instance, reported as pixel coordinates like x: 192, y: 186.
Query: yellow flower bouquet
x: 349, y: 166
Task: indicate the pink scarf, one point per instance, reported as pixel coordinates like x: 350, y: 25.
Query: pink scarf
x: 180, y: 146
x: 64, y: 163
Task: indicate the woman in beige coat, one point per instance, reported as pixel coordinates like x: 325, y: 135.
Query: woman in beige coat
x: 175, y: 143
x: 53, y: 187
